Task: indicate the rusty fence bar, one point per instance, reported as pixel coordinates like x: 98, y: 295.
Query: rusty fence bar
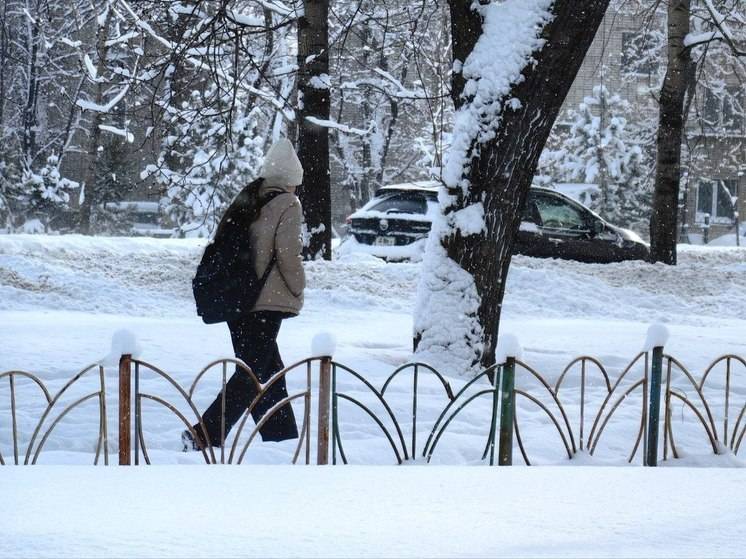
x: 325, y: 388
x: 125, y: 412
x: 647, y: 383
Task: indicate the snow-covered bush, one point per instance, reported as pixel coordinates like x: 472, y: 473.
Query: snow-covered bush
x: 46, y: 193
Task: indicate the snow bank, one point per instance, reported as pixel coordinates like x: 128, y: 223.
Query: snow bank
x: 152, y: 278
x: 371, y: 512
x: 412, y: 252
x: 730, y: 239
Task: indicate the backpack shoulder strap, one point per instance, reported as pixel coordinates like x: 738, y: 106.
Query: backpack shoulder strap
x: 263, y: 202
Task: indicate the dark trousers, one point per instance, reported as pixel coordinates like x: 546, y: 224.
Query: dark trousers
x: 254, y: 342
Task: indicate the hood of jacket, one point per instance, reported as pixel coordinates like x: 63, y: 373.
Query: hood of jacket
x: 281, y: 166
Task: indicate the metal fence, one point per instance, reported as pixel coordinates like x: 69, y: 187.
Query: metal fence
x: 657, y: 380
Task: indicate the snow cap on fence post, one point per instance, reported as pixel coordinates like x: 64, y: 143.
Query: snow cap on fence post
x: 507, y: 346
x: 657, y: 336
x: 324, y: 344
x: 123, y: 342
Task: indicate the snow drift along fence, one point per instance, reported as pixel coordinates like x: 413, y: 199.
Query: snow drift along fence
x: 656, y: 379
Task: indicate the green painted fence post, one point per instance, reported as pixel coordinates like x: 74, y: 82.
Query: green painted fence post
x: 507, y: 411
x: 656, y: 374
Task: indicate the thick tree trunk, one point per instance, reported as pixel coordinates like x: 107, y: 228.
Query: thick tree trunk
x: 663, y: 221
x: 313, y: 139
x: 91, y: 196
x: 502, y: 169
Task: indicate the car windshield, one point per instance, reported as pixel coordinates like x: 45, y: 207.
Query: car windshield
x: 556, y: 213
x: 402, y: 202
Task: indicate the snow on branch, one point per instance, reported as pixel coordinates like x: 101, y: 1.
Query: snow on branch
x: 90, y: 106
x: 145, y: 26
x: 337, y: 126
x: 719, y: 20
x: 402, y: 91
x: 128, y: 136
x: 70, y: 43
x: 92, y: 72
x: 29, y: 16
x: 511, y: 34
x: 244, y: 19
x: 123, y: 39
x: 280, y: 105
x: 278, y: 7
x: 694, y: 39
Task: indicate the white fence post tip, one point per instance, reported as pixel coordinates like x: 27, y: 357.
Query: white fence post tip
x: 508, y: 346
x: 324, y: 344
x: 123, y: 342
x: 657, y: 336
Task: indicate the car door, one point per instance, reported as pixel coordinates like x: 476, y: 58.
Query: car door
x: 565, y: 228
x: 530, y: 241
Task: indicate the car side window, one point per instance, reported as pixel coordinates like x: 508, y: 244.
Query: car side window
x: 556, y: 213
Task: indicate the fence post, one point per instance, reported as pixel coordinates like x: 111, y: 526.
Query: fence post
x: 656, y: 374
x: 507, y: 411
x: 495, y: 405
x: 125, y: 384
x: 325, y: 370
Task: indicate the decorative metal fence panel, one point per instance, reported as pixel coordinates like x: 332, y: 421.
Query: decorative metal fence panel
x: 649, y: 388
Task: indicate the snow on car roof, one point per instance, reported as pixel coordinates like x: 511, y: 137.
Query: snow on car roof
x: 430, y: 186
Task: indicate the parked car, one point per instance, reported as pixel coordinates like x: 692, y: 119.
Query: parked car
x: 145, y: 216
x: 396, y: 222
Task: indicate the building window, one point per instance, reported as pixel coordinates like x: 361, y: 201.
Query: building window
x: 717, y: 198
x: 724, y: 110
x: 637, y: 55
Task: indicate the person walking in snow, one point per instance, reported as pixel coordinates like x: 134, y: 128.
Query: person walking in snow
x: 274, y: 244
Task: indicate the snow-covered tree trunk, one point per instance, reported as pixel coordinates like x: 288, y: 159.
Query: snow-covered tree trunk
x: 313, y: 138
x: 514, y: 62
x: 663, y: 221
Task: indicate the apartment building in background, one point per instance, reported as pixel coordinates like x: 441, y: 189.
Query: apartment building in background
x: 714, y: 180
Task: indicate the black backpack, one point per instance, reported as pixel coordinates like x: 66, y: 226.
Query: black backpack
x: 226, y: 286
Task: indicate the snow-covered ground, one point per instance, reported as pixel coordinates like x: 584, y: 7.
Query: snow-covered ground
x: 61, y: 298
x: 371, y: 512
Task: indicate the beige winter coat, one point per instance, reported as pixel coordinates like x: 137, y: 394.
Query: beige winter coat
x: 278, y: 228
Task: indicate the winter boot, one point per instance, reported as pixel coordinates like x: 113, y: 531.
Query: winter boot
x: 189, y: 442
